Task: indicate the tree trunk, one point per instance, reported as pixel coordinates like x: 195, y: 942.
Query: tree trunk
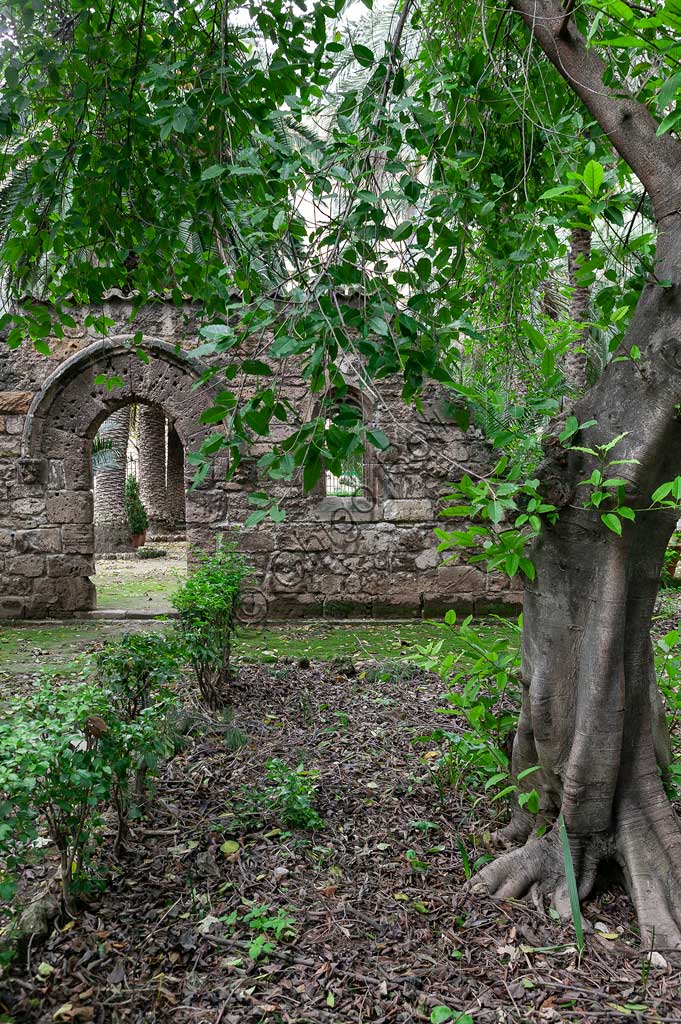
x: 591, y: 714
x: 152, y: 468
x: 111, y: 521
x: 580, y: 307
x: 176, y: 499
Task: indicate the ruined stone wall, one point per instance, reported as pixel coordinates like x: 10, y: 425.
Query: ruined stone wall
x: 371, y: 555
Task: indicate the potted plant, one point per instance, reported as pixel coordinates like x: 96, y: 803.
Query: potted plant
x: 138, y: 520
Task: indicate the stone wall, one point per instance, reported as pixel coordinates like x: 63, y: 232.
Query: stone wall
x: 372, y: 555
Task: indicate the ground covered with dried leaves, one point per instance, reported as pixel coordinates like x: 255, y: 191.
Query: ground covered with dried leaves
x: 371, y: 918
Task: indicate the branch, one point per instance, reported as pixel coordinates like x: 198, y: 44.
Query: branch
x: 627, y: 123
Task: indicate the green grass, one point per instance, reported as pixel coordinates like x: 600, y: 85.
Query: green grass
x: 324, y: 641
x: 46, y: 648
x: 139, y: 594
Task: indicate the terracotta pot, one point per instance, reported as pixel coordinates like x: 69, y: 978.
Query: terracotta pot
x: 138, y: 540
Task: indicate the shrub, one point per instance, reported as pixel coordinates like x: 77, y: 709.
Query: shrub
x: 138, y: 520
x: 53, y: 771
x: 136, y: 671
x: 482, y: 675
x: 208, y: 603
x: 135, y: 667
x: 151, y: 553
x: 65, y: 754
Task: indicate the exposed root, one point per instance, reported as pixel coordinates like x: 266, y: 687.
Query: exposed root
x: 517, y: 831
x: 649, y: 849
x: 539, y: 868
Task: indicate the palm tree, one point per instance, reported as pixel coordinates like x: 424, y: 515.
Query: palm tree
x: 111, y: 523
x: 152, y: 468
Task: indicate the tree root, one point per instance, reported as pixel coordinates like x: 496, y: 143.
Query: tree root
x: 539, y: 868
x: 648, y: 848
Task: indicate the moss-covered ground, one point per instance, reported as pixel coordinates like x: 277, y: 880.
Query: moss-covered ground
x: 46, y: 648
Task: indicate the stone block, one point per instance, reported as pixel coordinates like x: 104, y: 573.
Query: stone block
x: 436, y: 604
x: 77, y: 539
x: 398, y: 606
x: 340, y: 511
x: 14, y: 583
x: 293, y: 606
x: 74, y: 507
x: 14, y: 403
x: 31, y: 471
x: 70, y: 565
x: 10, y: 444
x: 29, y: 507
x: 460, y: 579
x: 14, y: 424
x: 65, y: 594
x: 43, y: 540
x: 56, y: 478
x: 511, y: 605
x: 207, y: 506
x: 428, y: 559
x: 336, y: 608
x: 12, y: 607
x: 26, y: 565
x: 6, y: 540
x: 408, y: 510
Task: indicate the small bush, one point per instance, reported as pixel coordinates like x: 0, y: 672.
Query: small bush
x: 138, y: 520
x: 68, y: 753
x: 136, y: 671
x: 135, y: 667
x: 482, y: 676
x: 151, y: 553
x: 208, y: 604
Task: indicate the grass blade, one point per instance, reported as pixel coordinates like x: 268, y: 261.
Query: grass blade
x: 571, y: 884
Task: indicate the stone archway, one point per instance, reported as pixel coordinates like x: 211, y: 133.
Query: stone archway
x: 56, y: 556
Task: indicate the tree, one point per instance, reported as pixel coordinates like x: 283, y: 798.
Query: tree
x: 110, y: 519
x: 591, y: 711
x: 152, y: 467
x: 169, y: 162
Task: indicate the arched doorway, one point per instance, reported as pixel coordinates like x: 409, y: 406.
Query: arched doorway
x: 63, y: 419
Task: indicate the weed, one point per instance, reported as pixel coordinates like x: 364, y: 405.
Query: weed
x: 292, y: 793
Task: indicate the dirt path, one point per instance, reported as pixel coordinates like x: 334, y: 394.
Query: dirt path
x: 381, y: 927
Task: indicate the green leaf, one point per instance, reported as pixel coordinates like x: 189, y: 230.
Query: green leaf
x: 593, y: 177
x: 668, y: 91
x: 662, y: 491
x: 378, y: 439
x: 363, y: 55
x: 571, y: 884
x: 612, y: 522
x: 669, y: 122
x: 212, y: 172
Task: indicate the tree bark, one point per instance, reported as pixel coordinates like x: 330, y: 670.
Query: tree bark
x: 580, y: 303
x: 591, y: 715
x: 111, y: 522
x: 152, y: 468
x: 175, y: 480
